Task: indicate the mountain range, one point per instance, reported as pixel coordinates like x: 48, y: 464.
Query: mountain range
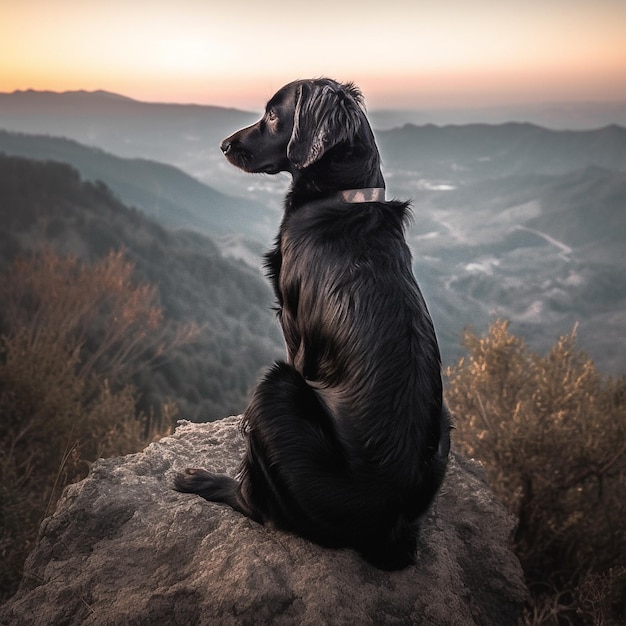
x: 511, y: 220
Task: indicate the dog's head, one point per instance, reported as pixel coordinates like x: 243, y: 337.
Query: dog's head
x: 302, y: 122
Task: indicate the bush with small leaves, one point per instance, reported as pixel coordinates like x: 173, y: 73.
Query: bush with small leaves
x: 551, y: 433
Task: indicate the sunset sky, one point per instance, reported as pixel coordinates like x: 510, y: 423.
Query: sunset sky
x: 403, y: 54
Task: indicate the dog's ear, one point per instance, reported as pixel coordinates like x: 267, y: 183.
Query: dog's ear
x: 324, y: 116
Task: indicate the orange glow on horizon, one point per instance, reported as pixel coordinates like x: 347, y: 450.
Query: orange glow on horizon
x: 404, y: 55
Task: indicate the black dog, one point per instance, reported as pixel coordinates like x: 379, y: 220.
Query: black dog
x: 347, y: 442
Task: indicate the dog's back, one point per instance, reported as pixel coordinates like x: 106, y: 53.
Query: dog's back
x: 357, y: 327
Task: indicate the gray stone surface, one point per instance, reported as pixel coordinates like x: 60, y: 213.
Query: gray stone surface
x: 123, y: 548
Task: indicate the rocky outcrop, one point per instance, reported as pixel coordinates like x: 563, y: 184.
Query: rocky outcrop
x: 123, y: 548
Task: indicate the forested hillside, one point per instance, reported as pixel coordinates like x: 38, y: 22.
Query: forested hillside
x: 161, y: 191
x: 47, y: 203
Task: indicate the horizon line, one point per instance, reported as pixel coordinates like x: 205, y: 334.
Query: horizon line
x: 524, y: 104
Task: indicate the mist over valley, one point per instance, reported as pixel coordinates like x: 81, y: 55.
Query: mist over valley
x: 511, y: 220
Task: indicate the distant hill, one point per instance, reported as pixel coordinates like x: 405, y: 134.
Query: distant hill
x: 188, y: 136
x: 461, y: 154
x: 161, y: 191
x: 184, y: 135
x: 47, y: 202
x: 554, y: 115
x: 113, y: 122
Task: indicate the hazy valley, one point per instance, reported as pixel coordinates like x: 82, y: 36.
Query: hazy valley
x: 510, y: 220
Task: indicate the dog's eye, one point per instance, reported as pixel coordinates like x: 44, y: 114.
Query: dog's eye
x: 272, y: 116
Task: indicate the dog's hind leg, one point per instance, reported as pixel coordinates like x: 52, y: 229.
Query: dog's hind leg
x: 282, y: 423
x: 294, y: 457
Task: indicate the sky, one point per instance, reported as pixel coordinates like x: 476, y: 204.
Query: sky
x: 403, y: 54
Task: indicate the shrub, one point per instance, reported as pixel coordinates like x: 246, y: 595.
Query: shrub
x: 74, y: 334
x: 551, y: 433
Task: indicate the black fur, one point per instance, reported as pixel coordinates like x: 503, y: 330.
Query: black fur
x: 347, y: 441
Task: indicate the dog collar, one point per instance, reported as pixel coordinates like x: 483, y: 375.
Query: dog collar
x: 370, y: 194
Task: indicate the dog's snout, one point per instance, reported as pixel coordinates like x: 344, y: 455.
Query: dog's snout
x: 225, y: 146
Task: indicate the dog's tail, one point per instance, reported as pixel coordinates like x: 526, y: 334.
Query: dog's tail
x: 215, y: 488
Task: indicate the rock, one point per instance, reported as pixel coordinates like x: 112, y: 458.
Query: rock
x: 123, y: 548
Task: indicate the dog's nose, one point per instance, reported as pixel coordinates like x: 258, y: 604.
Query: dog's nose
x: 225, y: 146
